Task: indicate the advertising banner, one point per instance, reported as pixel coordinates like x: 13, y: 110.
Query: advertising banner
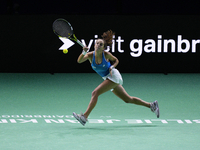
x: 143, y: 43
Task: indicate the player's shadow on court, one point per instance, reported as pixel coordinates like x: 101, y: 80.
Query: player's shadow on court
x: 93, y: 130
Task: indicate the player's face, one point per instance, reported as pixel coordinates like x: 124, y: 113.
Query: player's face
x: 99, y: 45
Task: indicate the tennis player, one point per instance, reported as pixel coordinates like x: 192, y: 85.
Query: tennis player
x: 104, y: 63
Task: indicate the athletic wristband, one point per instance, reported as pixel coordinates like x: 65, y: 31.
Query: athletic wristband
x: 84, y: 52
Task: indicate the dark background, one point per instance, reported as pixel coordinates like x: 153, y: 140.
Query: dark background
x: 27, y: 43
x: 77, y: 7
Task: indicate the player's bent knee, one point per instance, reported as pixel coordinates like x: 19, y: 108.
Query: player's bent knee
x: 130, y: 100
x: 127, y: 101
x: 94, y: 93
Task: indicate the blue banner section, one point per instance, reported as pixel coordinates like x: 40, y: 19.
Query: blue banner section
x: 143, y: 43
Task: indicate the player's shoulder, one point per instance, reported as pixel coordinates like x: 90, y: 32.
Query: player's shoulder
x: 90, y: 56
x: 107, y: 53
x: 90, y: 53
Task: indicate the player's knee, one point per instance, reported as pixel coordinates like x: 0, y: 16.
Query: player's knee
x: 126, y: 100
x: 129, y: 100
x: 95, y: 93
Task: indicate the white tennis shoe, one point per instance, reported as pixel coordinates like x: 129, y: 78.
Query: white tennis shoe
x: 81, y: 118
x: 155, y: 108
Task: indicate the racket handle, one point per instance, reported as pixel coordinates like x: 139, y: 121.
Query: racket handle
x: 80, y: 43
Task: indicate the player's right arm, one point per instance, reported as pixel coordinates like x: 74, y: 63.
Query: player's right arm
x: 82, y: 58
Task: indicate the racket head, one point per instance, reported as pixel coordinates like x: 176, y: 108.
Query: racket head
x: 62, y: 28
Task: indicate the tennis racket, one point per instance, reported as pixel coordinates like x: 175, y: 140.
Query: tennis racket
x: 63, y: 28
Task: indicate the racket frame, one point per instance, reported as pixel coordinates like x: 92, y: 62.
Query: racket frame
x: 72, y: 36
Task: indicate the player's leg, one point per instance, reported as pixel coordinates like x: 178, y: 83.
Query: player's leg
x: 121, y: 93
x: 105, y: 86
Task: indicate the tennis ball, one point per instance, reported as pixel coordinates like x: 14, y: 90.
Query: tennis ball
x: 65, y: 51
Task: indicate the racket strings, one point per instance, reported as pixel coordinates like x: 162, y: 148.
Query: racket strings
x: 62, y: 28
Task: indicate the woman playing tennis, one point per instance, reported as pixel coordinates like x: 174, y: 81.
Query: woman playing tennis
x: 101, y: 63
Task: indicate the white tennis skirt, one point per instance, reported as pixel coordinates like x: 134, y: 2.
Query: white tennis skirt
x: 116, y: 77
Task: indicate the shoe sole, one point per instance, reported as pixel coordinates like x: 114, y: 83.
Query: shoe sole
x: 77, y: 118
x: 158, y: 115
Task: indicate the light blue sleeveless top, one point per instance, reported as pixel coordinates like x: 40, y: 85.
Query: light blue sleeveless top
x: 103, y: 68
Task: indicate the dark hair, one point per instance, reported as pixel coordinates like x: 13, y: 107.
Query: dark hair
x: 108, y: 37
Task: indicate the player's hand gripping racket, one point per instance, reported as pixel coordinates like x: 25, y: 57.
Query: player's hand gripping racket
x: 63, y: 28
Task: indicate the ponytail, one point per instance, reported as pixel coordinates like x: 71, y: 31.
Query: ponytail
x: 108, y: 37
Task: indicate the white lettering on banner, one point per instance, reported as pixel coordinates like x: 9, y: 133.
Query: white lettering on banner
x: 197, y: 121
x: 138, y: 46
x: 18, y: 121
x: 177, y: 120
x: 67, y: 43
x: 13, y: 121
x: 5, y: 116
x: 26, y: 121
x: 3, y: 121
x: 147, y: 121
x: 133, y: 121
x: 136, y: 52
x: 188, y: 121
x: 71, y: 121
x: 111, y: 120
x: 95, y: 121
x: 56, y: 121
x: 119, y: 40
x: 183, y: 46
x: 106, y: 119
x: 60, y: 121
x: 36, y: 116
x: 163, y: 121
